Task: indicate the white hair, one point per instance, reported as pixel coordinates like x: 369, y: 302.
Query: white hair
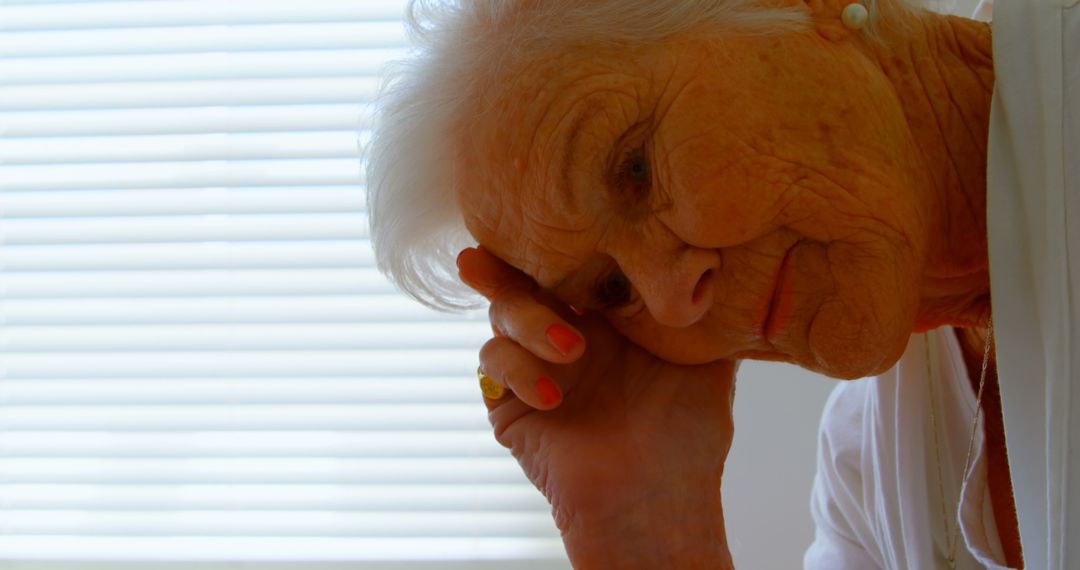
x: 417, y: 227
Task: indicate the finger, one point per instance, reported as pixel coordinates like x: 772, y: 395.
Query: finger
x: 489, y: 275
x: 536, y: 327
x: 513, y: 367
x: 515, y: 311
x: 495, y: 395
x: 503, y: 410
x: 504, y: 414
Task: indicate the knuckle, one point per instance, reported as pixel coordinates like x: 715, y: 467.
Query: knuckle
x: 488, y: 361
x: 497, y: 313
x: 512, y: 315
x: 508, y: 305
x: 488, y: 353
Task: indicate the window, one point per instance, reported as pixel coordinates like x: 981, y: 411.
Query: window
x: 199, y: 363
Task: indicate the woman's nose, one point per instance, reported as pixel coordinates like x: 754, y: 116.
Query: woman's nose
x: 679, y: 293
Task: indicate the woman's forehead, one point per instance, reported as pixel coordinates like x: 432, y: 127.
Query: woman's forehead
x: 545, y: 256
x: 536, y: 159
x: 535, y: 177
x: 534, y: 236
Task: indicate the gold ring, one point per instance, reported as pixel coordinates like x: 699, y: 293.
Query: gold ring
x: 491, y: 389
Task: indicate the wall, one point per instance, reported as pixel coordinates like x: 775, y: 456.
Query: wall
x: 770, y: 469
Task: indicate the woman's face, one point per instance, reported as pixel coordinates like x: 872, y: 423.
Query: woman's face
x: 750, y: 198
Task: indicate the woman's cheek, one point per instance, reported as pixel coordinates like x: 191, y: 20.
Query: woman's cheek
x: 679, y: 346
x: 721, y: 203
x: 863, y: 327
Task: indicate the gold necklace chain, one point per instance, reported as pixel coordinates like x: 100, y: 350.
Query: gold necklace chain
x: 952, y: 535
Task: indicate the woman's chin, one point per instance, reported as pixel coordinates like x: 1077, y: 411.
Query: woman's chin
x: 843, y: 353
x: 850, y: 360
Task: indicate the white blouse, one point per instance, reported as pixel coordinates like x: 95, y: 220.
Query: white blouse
x: 876, y: 500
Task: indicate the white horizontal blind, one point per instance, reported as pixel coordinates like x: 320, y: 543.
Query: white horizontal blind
x: 198, y: 359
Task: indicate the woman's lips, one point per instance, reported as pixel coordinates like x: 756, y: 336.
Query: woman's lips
x: 780, y: 303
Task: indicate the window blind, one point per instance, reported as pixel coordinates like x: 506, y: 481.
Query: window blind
x: 199, y: 363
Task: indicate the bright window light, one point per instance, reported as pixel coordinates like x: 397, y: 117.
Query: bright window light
x: 199, y: 364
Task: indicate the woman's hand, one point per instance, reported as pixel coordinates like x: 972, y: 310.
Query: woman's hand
x: 629, y: 449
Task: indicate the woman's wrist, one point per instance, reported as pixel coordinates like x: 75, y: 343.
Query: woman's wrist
x: 687, y: 534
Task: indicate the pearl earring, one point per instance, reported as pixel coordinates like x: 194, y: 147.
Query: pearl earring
x: 855, y: 16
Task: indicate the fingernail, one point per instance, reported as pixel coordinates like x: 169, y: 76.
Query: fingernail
x: 550, y: 394
x: 563, y: 339
x: 577, y: 311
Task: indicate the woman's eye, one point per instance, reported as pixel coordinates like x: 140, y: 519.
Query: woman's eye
x: 613, y: 290
x: 634, y: 173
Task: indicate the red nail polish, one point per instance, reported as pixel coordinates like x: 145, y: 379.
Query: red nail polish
x: 550, y: 394
x: 563, y: 339
x: 577, y: 311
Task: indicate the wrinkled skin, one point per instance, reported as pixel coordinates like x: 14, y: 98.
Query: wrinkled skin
x: 804, y: 198
x: 739, y: 178
x: 632, y: 432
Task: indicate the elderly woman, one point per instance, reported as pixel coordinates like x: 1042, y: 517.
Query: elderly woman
x: 663, y: 187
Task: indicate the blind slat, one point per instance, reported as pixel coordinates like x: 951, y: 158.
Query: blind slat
x: 447, y: 388
x: 445, y: 553
x: 244, y: 364
x: 193, y: 66
x: 231, y: 337
x: 206, y: 228
x: 182, y: 174
x: 198, y: 283
x: 216, y: 38
x: 297, y: 309
x: 169, y: 256
x: 256, y: 471
x: 180, y: 120
x: 504, y: 497
x: 193, y: 12
x: 308, y: 91
x: 283, y: 523
x: 207, y: 443
x: 424, y: 417
x: 180, y: 201
x: 165, y: 148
